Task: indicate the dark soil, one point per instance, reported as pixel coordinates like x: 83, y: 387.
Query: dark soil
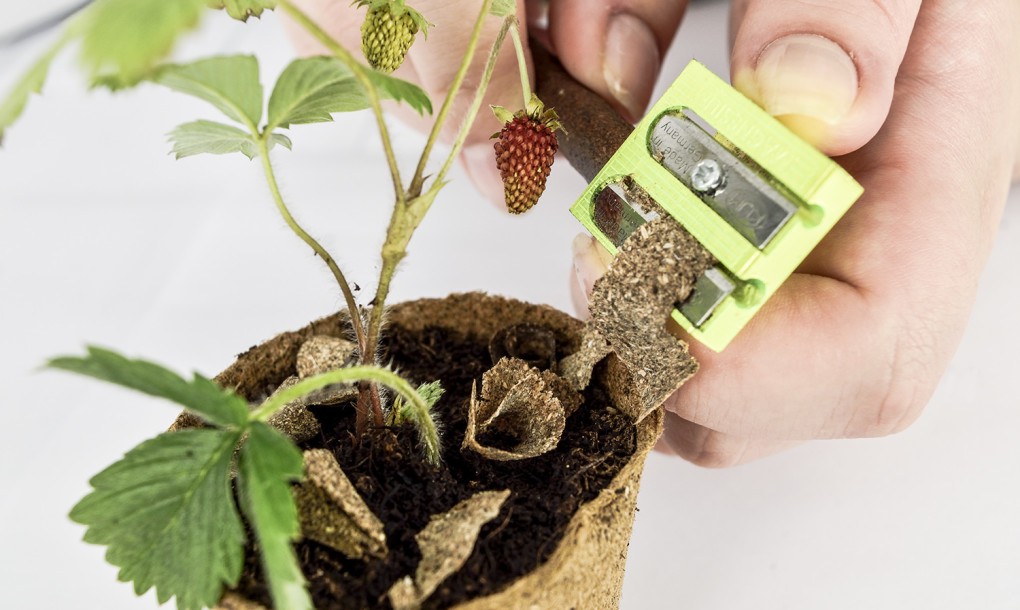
x: 404, y: 492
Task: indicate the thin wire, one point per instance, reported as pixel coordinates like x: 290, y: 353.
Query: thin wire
x: 42, y: 26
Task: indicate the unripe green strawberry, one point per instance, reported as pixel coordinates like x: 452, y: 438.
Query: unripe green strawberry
x: 525, y: 151
x: 388, y: 32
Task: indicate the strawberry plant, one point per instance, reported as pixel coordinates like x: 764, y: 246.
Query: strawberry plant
x: 170, y: 512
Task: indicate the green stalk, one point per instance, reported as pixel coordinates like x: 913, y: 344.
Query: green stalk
x: 426, y: 426
x: 407, y: 217
x: 393, y: 252
x: 410, y: 207
x: 352, y: 305
x: 522, y: 64
x: 472, y: 110
x: 359, y: 72
x: 451, y: 96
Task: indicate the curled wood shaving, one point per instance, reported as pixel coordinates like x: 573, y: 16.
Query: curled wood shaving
x: 520, y: 402
x: 577, y: 367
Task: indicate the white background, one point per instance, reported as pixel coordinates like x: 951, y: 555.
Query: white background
x: 105, y: 239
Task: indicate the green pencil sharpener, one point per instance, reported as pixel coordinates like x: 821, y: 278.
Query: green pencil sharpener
x: 756, y: 196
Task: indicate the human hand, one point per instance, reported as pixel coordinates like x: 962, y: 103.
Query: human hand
x: 855, y: 342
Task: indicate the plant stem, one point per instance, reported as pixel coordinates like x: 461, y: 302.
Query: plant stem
x: 392, y: 253
x: 360, y: 73
x: 451, y: 95
x: 377, y: 374
x: 476, y: 103
x: 407, y: 217
x: 409, y: 207
x: 522, y: 64
x: 369, y: 391
x: 352, y: 305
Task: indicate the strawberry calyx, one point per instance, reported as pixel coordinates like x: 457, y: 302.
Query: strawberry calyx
x: 535, y: 110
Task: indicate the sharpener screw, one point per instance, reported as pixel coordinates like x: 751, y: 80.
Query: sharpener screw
x: 707, y: 176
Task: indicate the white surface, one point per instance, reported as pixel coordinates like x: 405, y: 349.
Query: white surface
x: 105, y: 239
x: 19, y: 15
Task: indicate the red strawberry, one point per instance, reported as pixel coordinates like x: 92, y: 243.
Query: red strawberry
x: 525, y: 150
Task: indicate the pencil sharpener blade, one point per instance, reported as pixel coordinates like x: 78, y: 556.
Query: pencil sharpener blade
x: 757, y: 197
x: 742, y: 198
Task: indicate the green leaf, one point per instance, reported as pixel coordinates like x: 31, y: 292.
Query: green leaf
x: 418, y: 19
x: 503, y: 115
x: 280, y: 139
x: 311, y: 89
x: 400, y: 90
x: 204, y: 397
x: 502, y: 8
x: 124, y: 39
x: 231, y: 83
x: 269, y: 463
x: 167, y: 514
x: 431, y: 392
x: 424, y: 420
x: 215, y: 138
x: 242, y: 9
x: 31, y: 82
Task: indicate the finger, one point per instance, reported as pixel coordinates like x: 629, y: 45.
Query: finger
x: 729, y: 385
x: 711, y: 449
x: 590, y: 263
x: 826, y: 68
x: 615, y: 48
x: 815, y: 362
x: 538, y: 21
x: 432, y: 62
x: 578, y: 298
x: 429, y: 65
x: 479, y: 163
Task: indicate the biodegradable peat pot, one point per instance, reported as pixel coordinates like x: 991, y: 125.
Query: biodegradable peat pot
x: 581, y: 565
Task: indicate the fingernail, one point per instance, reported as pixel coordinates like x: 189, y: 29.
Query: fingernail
x: 630, y: 63
x: 480, y: 163
x: 806, y: 78
x: 537, y: 14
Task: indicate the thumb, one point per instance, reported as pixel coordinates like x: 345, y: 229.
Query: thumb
x: 615, y: 47
x: 825, y: 68
x: 591, y: 261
